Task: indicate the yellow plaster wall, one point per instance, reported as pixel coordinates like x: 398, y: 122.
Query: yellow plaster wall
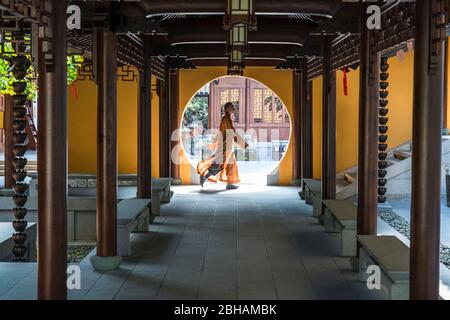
x: 155, y: 130
x: 346, y: 122
x: 317, y: 126
x: 447, y: 75
x: 82, y: 124
x: 400, y: 113
x: 127, y: 113
x: 347, y: 111
x: 401, y: 79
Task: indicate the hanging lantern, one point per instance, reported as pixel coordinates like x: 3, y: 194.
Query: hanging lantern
x: 240, y: 11
x: 238, y: 35
x: 237, y: 58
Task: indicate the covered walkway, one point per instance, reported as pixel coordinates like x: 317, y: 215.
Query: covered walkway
x: 252, y: 243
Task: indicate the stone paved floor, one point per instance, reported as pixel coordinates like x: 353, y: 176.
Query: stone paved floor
x: 403, y: 208
x: 251, y: 243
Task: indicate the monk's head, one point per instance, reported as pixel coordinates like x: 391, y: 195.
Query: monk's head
x: 229, y: 108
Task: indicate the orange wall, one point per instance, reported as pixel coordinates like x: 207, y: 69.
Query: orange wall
x: 347, y: 111
x: 401, y: 79
x: 317, y: 126
x: 155, y: 131
x: 82, y: 124
x: 346, y: 122
x: 82, y: 115
x: 279, y: 81
x: 448, y: 85
x: 400, y: 113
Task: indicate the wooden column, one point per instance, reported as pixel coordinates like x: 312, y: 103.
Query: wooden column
x: 164, y: 125
x: 306, y: 124
x: 426, y: 159
x: 144, y: 187
x: 328, y: 125
x: 52, y: 161
x: 297, y: 125
x: 174, y: 121
x: 106, y: 143
x: 368, y: 135
x: 8, y: 125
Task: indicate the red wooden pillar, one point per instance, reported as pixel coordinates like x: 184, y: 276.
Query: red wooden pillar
x: 174, y: 124
x: 426, y: 157
x: 164, y: 126
x: 328, y: 125
x: 297, y: 125
x: 106, y: 55
x: 368, y: 135
x: 144, y: 187
x: 52, y: 161
x: 306, y: 124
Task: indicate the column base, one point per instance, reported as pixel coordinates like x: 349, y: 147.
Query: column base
x: 104, y: 264
x: 296, y: 182
x: 175, y: 182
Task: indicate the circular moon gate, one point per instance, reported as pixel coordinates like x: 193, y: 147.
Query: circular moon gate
x: 260, y: 117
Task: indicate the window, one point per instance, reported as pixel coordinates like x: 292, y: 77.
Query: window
x: 231, y: 95
x: 268, y: 106
x: 278, y: 112
x: 224, y: 97
x: 257, y: 105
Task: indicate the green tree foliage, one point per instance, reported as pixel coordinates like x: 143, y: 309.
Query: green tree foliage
x: 73, y: 63
x: 7, y: 79
x: 197, y: 110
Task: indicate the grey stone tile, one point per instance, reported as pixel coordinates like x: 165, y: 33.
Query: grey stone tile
x: 12, y: 273
x: 141, y: 285
x: 255, y: 245
x: 26, y: 289
x: 263, y: 292
x: 294, y: 285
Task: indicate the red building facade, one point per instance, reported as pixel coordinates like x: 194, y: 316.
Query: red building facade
x: 257, y: 107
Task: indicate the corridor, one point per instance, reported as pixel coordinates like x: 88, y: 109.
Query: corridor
x: 252, y: 243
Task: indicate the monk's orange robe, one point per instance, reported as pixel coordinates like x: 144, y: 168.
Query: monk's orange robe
x: 223, y: 159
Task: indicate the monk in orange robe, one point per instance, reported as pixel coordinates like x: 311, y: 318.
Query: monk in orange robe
x: 221, y: 166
